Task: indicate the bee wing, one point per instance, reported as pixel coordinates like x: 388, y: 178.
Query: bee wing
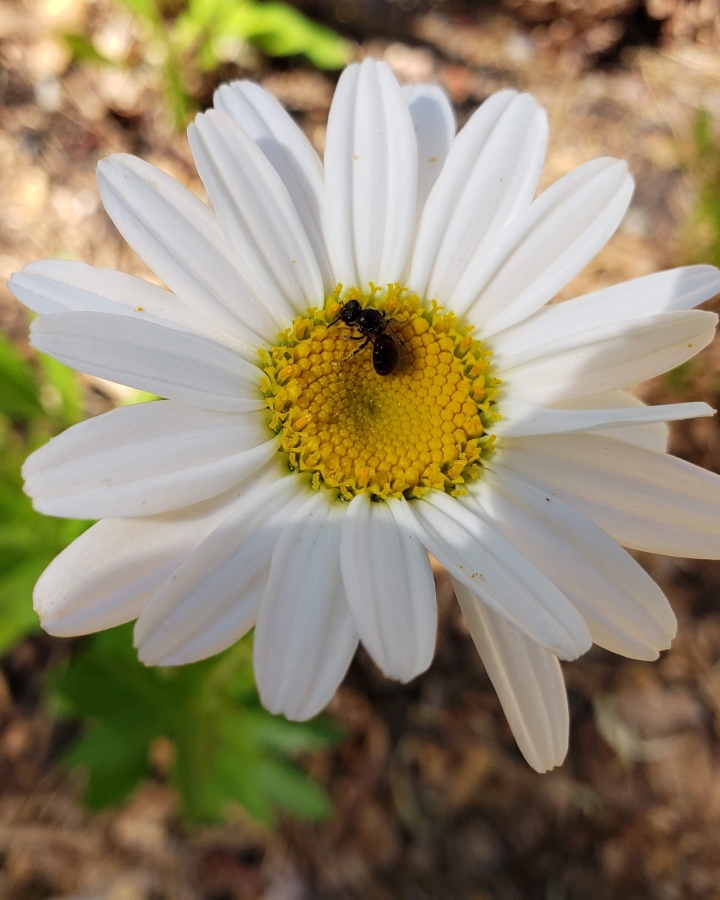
x: 405, y: 355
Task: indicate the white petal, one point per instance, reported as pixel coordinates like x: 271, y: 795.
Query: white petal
x: 181, y: 241
x: 671, y: 291
x: 644, y: 500
x: 650, y: 437
x: 174, y: 364
x: 51, y: 286
x: 433, y: 119
x: 304, y: 637
x: 528, y: 681
x: 448, y: 190
x: 544, y: 248
x: 522, y: 419
x: 146, y: 459
x: 212, y: 599
x: 258, y: 217
x: 625, y: 610
x: 606, y: 358
x: 337, y: 210
x: 110, y: 573
x: 389, y: 587
x: 370, y: 177
x: 476, y: 555
x: 290, y: 153
x: 490, y: 177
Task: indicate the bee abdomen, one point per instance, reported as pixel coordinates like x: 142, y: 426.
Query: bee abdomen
x: 385, y: 354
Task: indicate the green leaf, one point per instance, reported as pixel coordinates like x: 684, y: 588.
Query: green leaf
x: 28, y: 544
x: 281, y: 30
x: 83, y: 51
x: 138, y: 396
x: 28, y: 540
x: 277, y: 733
x: 17, y: 616
x: 277, y: 28
x: 702, y: 133
x: 115, y: 756
x: 228, y: 749
x: 190, y: 42
x: 703, y: 225
x: 177, y: 97
x: 294, y: 792
x: 200, y: 16
x: 147, y: 10
x: 681, y: 376
x: 237, y: 783
x: 62, y: 394
x: 18, y: 392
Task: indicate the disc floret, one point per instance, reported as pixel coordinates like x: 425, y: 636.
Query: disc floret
x: 426, y: 425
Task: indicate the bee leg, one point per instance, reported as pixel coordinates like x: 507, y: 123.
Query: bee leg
x: 361, y: 347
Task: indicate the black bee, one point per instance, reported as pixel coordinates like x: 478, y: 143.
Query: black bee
x: 374, y: 328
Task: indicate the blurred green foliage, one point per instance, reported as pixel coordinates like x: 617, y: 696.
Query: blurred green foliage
x: 703, y: 239
x: 227, y: 748
x: 700, y: 236
x: 33, y: 407
x: 680, y: 378
x: 276, y: 28
x: 203, y: 34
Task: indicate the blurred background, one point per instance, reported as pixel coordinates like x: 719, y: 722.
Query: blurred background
x: 124, y: 783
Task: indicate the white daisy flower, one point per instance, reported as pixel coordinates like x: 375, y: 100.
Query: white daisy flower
x: 295, y: 478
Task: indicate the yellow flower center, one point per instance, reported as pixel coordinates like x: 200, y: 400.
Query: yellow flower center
x: 423, y: 425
